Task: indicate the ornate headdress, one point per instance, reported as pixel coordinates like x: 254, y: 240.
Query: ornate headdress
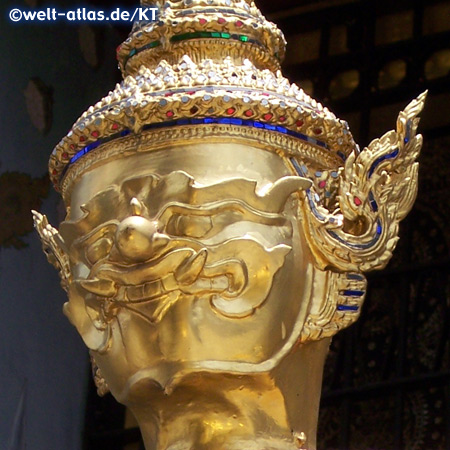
x: 230, y: 79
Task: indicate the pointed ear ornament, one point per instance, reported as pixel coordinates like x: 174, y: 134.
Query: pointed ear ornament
x: 54, y: 247
x: 373, y: 192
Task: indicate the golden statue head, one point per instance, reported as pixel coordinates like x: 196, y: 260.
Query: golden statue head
x: 219, y: 222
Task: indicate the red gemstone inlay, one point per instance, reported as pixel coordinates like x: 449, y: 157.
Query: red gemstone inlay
x: 65, y: 155
x: 221, y: 20
x: 82, y: 138
x: 202, y: 21
x: 190, y: 93
x: 317, y: 131
x: 322, y: 184
x: 194, y: 109
x: 249, y: 113
x: 170, y: 113
x: 168, y: 94
x: 300, y: 123
x: 239, y: 23
x: 115, y: 126
x: 282, y: 119
x: 72, y: 146
x: 96, y: 134
x: 231, y: 111
x: 357, y: 201
x: 54, y: 171
x: 267, y: 116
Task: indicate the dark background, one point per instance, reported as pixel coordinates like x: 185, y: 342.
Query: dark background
x: 387, y: 382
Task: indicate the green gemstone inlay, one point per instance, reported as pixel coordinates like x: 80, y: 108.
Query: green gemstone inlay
x: 135, y: 51
x: 196, y: 35
x: 206, y: 34
x: 153, y: 44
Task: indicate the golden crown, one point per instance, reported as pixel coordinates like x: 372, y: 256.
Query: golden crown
x: 212, y: 65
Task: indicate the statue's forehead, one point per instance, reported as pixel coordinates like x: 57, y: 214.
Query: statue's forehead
x: 208, y: 164
x: 178, y: 195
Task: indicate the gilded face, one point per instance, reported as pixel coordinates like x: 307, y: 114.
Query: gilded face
x: 177, y: 271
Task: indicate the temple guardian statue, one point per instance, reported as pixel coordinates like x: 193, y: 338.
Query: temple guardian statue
x: 219, y: 225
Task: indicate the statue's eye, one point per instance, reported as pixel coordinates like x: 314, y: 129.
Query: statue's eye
x: 99, y: 249
x: 207, y: 221
x: 191, y: 226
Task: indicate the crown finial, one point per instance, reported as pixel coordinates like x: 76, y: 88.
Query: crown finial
x: 203, y: 29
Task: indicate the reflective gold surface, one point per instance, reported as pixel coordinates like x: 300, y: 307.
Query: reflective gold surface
x: 208, y: 262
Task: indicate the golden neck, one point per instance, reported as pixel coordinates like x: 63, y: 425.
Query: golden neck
x: 213, y: 411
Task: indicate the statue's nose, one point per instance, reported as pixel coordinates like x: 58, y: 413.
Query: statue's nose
x: 138, y: 239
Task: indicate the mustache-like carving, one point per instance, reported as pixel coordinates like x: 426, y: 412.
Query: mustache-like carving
x: 149, y: 271
x: 189, y: 270
x: 188, y: 274
x: 100, y: 286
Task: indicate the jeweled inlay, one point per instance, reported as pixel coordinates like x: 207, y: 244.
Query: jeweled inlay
x: 198, y: 121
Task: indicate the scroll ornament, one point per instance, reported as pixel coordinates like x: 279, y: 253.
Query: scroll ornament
x: 375, y: 190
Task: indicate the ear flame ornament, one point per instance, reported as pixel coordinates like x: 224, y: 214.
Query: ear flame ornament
x: 54, y: 247
x: 376, y: 189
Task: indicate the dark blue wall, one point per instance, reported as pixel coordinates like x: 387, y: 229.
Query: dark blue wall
x: 43, y: 362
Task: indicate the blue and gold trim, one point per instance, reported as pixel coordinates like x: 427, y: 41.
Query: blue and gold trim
x: 197, y: 121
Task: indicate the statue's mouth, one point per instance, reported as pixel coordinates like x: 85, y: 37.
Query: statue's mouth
x: 182, y: 271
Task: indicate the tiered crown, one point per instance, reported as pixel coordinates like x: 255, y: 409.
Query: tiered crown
x: 204, y: 69
x: 203, y: 29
